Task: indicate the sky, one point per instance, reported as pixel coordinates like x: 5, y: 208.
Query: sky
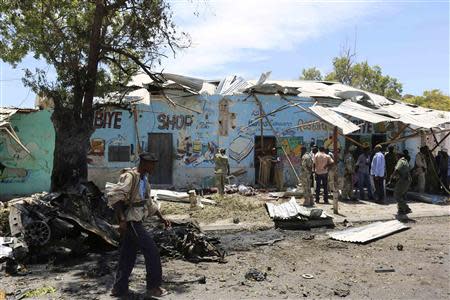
x: 409, y: 40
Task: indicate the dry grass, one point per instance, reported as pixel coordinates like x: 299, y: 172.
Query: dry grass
x: 231, y: 206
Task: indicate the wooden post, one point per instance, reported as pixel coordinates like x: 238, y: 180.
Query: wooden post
x: 262, y: 127
x: 138, y: 142
x: 336, y: 159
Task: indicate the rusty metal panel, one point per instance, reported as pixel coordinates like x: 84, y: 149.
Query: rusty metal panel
x: 368, y: 232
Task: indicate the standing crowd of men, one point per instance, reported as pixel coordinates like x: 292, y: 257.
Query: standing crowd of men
x: 319, y: 169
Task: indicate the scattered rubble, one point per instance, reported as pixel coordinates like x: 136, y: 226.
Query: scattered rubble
x: 256, y: 275
x: 268, y: 243
x: 57, y: 226
x: 341, y: 292
x: 185, y: 240
x: 290, y: 215
x: 241, y: 189
x: 384, y: 270
x: 181, y: 197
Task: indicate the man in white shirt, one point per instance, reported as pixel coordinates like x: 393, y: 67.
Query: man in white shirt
x: 377, y: 170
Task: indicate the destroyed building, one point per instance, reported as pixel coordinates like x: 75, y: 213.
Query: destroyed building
x: 185, y: 120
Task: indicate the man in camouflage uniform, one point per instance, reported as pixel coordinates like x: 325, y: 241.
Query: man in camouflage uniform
x: 332, y: 173
x: 222, y: 169
x: 403, y: 176
x: 349, y: 171
x: 307, y: 169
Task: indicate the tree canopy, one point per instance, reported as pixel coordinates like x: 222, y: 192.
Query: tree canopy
x: 435, y: 99
x: 95, y: 46
x: 359, y: 75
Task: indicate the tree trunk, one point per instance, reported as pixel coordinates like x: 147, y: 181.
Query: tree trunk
x: 71, y: 146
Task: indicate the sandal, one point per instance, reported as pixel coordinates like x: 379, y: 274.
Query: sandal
x: 156, y: 293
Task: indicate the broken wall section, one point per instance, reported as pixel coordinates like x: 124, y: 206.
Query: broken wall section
x: 20, y: 172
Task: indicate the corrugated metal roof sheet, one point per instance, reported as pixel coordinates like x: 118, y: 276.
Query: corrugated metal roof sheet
x: 334, y: 119
x: 5, y: 113
x: 419, y: 116
x: 291, y: 209
x: 361, y: 112
x: 369, y: 232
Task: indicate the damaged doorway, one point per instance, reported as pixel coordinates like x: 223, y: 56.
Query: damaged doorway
x: 263, y: 147
x: 161, y: 144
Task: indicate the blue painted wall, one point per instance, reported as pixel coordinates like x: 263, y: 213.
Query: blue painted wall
x: 21, y: 173
x: 195, y: 139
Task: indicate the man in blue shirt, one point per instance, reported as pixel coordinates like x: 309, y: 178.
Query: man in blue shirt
x: 377, y: 170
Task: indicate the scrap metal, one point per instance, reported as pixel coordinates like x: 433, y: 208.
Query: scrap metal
x: 368, y: 232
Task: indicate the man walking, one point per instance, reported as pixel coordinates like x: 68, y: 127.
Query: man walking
x: 403, y: 176
x: 349, y: 171
x: 131, y: 201
x: 307, y: 170
x: 421, y: 169
x: 362, y: 165
x: 377, y: 170
x: 222, y: 169
x: 322, y: 162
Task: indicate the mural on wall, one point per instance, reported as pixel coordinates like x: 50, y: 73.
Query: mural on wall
x: 240, y: 147
x: 328, y: 143
x: 172, y: 122
x: 97, y: 147
x: 293, y: 147
x: 12, y: 156
x: 194, y: 152
x: 108, y: 119
x: 11, y: 175
x: 96, y: 153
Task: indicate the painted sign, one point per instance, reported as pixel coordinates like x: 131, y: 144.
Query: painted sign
x: 108, y: 119
x: 174, y: 121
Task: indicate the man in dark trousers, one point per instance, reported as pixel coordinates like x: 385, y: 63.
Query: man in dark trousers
x: 322, y: 162
x: 130, y: 198
x: 402, y: 176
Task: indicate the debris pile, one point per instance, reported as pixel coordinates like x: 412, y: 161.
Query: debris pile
x: 186, y: 241
x: 45, y: 226
x: 290, y: 215
x: 180, y: 197
x: 256, y: 275
x: 241, y: 189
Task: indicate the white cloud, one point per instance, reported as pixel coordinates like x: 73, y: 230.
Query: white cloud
x: 248, y: 30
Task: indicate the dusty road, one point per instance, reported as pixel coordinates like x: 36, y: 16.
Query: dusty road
x: 421, y: 269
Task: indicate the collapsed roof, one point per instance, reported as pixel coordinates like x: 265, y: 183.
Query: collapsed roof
x: 355, y: 103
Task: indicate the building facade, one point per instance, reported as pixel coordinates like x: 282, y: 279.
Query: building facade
x: 185, y: 137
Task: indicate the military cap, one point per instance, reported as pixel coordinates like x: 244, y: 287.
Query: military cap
x: 148, y: 156
x: 378, y: 147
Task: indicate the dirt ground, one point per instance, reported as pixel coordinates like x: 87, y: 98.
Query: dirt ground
x: 339, y: 269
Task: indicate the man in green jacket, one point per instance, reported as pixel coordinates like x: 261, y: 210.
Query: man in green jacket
x: 222, y: 169
x: 403, y: 176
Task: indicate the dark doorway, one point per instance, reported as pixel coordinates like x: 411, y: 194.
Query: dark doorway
x: 263, y: 147
x: 161, y: 144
